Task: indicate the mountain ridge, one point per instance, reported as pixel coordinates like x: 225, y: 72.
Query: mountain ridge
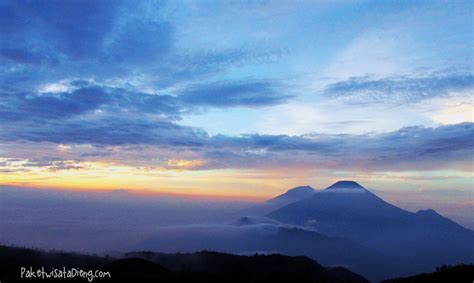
x: 294, y: 194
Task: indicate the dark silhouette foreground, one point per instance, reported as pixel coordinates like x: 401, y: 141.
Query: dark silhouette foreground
x: 460, y: 274
x: 190, y: 267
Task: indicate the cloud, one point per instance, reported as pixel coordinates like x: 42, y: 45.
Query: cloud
x: 50, y: 163
x: 53, y: 164
x: 110, y: 74
x: 253, y: 94
x: 81, y: 97
x: 135, y: 141
x: 86, y: 113
x: 408, y: 148
x: 119, y: 41
x: 224, y: 238
x: 30, y: 106
x: 399, y: 89
x: 36, y: 33
x: 88, y: 218
x: 108, y: 131
x: 91, y: 62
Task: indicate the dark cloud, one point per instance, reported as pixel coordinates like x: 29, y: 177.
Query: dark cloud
x: 91, y: 103
x: 69, y: 32
x: 48, y: 42
x: 107, y: 131
x: 31, y: 106
x: 400, y: 89
x: 35, y: 32
x: 98, y: 49
x: 253, y: 94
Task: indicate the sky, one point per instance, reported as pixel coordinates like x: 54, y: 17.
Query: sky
x: 240, y: 99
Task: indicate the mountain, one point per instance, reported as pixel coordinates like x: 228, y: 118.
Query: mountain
x: 138, y: 270
x: 277, y: 202
x: 191, y: 267
x: 251, y: 235
x: 460, y: 273
x: 219, y: 267
x: 346, y: 209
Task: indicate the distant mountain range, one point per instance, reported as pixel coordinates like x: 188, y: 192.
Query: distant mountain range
x: 386, y: 241
x: 348, y: 210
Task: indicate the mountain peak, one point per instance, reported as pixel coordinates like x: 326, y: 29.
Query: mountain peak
x: 299, y: 192
x: 301, y: 189
x: 295, y: 194
x: 345, y: 185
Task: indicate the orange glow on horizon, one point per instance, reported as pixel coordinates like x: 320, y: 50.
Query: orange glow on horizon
x: 236, y: 184
x: 90, y: 176
x: 146, y: 193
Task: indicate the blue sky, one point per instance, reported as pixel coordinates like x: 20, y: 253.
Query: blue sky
x: 225, y: 94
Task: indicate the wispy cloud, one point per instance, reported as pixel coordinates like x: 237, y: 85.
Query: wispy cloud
x: 252, y: 94
x: 400, y: 89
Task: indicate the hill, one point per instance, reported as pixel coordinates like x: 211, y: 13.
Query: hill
x: 459, y: 274
x: 191, y: 267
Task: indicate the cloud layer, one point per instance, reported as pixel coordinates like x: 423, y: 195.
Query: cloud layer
x: 412, y: 148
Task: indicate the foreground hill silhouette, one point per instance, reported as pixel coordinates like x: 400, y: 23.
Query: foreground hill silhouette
x: 459, y: 274
x: 192, y: 267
